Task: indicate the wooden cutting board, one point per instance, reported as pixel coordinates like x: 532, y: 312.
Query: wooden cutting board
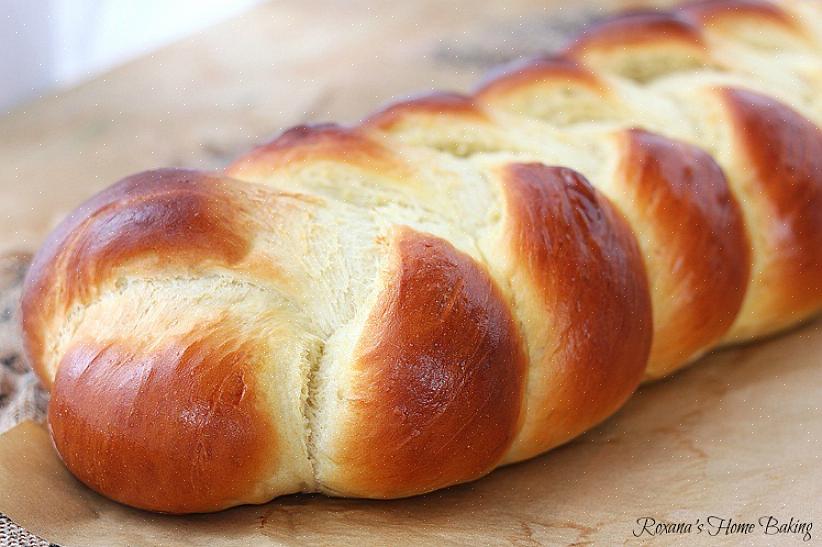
x: 738, y: 436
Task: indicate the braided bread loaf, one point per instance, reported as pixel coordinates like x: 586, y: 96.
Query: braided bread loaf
x: 458, y: 283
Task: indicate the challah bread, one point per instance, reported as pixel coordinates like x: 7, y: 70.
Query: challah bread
x: 457, y: 283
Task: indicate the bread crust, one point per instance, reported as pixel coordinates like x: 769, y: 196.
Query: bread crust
x: 167, y: 215
x: 176, y: 429
x: 709, y: 13
x: 694, y: 242
x: 782, y: 155
x: 438, y: 375
x: 591, y: 309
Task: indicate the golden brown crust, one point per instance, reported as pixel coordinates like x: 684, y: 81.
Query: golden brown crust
x: 641, y: 45
x: 451, y: 104
x: 176, y: 429
x: 636, y: 29
x: 710, y: 12
x: 311, y: 144
x: 439, y: 376
x: 588, y: 275
x: 694, y: 240
x: 556, y: 70
x: 785, y: 154
x: 169, y: 215
x: 556, y: 89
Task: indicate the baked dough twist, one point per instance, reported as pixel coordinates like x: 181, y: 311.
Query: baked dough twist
x: 458, y: 283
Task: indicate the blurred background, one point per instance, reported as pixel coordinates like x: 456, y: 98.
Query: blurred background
x: 52, y: 44
x: 95, y: 90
